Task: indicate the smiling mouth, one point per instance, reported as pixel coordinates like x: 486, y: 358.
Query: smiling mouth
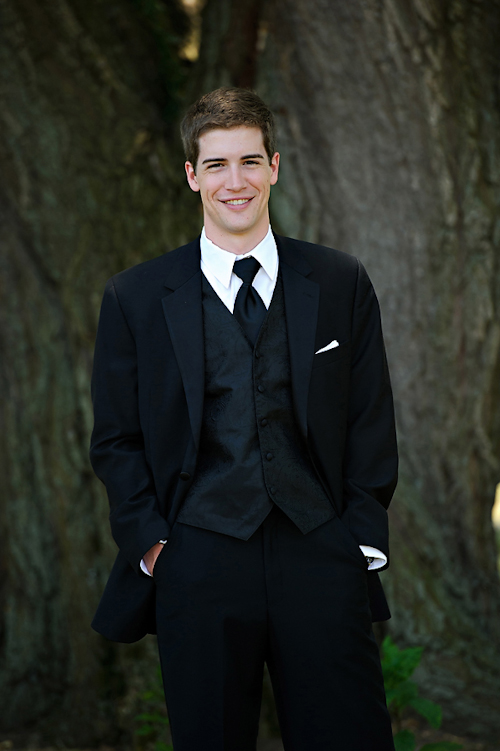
x: 237, y: 201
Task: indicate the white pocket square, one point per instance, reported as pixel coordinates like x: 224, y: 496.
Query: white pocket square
x: 332, y: 345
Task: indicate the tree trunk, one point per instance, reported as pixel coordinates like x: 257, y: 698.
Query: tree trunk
x: 389, y: 133
x: 389, y: 130
x: 90, y: 184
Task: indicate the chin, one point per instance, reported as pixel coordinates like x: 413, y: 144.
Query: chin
x: 239, y: 228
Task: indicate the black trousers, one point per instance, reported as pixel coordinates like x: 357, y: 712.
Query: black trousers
x: 298, y: 602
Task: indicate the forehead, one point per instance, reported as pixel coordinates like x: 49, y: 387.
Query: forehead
x: 231, y: 142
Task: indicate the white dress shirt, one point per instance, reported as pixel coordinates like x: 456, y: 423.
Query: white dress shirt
x: 217, y: 267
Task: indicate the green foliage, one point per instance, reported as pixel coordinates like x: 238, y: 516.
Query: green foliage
x: 401, y: 692
x: 398, y: 666
x: 432, y: 712
x: 404, y: 741
x: 153, y: 721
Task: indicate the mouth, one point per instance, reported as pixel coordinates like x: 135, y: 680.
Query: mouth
x: 237, y: 201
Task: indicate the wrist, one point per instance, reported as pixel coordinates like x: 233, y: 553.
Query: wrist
x: 151, y: 556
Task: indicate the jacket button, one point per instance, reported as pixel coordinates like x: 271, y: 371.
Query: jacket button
x: 260, y: 389
x: 185, y: 476
x: 257, y: 353
x: 272, y: 490
x: 269, y: 456
x: 263, y: 422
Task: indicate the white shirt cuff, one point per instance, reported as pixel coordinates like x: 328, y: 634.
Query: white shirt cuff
x: 143, y: 566
x: 379, y: 559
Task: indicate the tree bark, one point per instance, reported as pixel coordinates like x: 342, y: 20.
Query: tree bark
x: 91, y: 183
x: 389, y: 132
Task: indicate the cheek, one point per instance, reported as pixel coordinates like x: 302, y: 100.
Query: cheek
x: 211, y: 190
x: 207, y: 194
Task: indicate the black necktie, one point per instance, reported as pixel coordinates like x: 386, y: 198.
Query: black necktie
x: 249, y: 310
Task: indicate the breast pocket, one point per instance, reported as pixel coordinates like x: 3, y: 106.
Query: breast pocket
x: 332, y: 355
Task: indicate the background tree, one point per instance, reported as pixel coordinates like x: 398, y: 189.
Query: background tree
x: 389, y: 131
x: 90, y: 174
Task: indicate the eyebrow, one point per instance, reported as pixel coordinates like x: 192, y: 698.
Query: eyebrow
x: 223, y: 159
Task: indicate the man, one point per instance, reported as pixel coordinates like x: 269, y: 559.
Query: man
x: 244, y: 430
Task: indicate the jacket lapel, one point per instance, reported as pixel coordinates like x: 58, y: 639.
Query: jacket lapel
x: 301, y: 310
x: 182, y: 307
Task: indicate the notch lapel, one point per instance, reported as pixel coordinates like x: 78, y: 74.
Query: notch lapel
x: 182, y: 308
x: 301, y: 310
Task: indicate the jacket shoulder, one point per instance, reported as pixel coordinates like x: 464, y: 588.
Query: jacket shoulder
x: 321, y: 258
x: 151, y: 273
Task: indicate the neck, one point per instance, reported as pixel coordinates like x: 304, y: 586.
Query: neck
x: 236, y: 243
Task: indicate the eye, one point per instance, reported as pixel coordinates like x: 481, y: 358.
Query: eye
x: 251, y: 161
x: 214, y: 165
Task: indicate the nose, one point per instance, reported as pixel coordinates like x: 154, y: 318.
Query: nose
x: 235, y: 180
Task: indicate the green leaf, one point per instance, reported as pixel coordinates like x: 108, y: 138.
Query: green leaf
x: 428, y: 709
x: 402, y: 695
x: 441, y: 746
x: 160, y: 746
x: 144, y: 730
x: 398, y: 664
x: 152, y: 717
x: 389, y: 649
x: 404, y: 741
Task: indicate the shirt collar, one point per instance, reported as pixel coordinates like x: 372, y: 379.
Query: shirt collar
x: 220, y: 262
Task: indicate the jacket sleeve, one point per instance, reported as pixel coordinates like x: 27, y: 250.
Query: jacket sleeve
x: 370, y: 460
x: 117, y: 445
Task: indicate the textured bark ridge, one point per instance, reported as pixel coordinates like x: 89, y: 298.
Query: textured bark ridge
x: 389, y: 130
x: 88, y: 186
x: 390, y: 134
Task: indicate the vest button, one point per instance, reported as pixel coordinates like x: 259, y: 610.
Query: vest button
x: 260, y: 389
x: 263, y: 422
x: 269, y: 456
x: 257, y: 353
x: 185, y: 476
x: 272, y: 490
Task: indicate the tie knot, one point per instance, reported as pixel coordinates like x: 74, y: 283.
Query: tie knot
x: 246, y: 269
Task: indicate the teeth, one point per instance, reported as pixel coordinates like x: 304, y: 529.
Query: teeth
x: 237, y: 201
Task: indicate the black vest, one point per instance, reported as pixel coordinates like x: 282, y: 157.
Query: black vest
x: 251, y: 451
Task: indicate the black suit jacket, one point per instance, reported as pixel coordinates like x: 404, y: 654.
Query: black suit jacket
x: 148, y: 385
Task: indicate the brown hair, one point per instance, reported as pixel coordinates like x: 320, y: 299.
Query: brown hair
x: 226, y: 108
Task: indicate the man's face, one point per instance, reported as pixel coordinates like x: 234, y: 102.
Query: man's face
x: 234, y: 177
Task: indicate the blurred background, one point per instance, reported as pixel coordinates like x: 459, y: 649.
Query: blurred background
x: 388, y: 115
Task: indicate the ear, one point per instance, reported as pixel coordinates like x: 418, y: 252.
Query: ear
x: 275, y: 165
x: 191, y: 177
